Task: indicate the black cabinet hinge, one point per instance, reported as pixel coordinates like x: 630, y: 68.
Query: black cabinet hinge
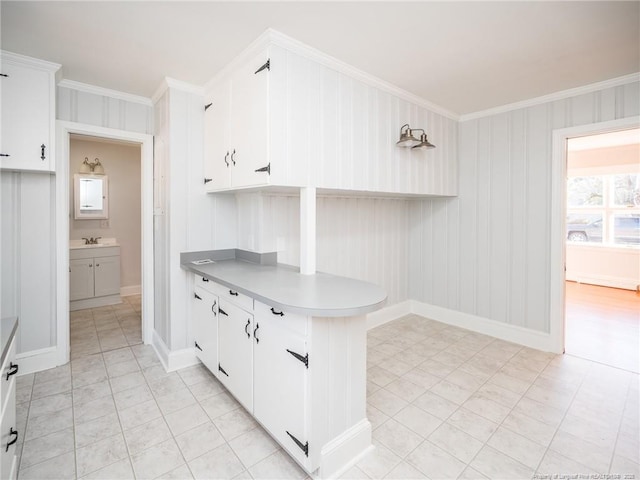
x: 223, y: 312
x: 197, y: 346
x: 207, y: 180
x: 266, y: 66
x: 304, y: 447
x: 220, y: 369
x: 4, y: 75
x: 304, y: 359
x: 207, y: 106
x: 265, y: 169
x: 197, y: 296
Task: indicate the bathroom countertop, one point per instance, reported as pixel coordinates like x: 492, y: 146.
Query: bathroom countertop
x: 103, y: 242
x: 283, y: 287
x: 8, y: 328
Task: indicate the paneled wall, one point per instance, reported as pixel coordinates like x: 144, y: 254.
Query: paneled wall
x: 81, y: 106
x: 363, y: 238
x: 487, y: 252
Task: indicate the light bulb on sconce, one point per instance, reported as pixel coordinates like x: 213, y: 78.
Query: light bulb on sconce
x: 407, y: 139
x: 94, y: 167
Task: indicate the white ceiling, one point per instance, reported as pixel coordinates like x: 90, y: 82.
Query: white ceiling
x: 463, y: 56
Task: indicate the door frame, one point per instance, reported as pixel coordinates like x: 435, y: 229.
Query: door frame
x: 64, y: 130
x: 558, y: 217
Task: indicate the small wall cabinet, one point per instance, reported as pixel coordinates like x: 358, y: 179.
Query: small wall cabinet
x: 94, y: 277
x: 28, y: 113
x: 90, y: 196
x: 9, y: 435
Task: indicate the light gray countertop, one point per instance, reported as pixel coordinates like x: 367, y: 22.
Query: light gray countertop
x: 283, y: 287
x: 8, y: 327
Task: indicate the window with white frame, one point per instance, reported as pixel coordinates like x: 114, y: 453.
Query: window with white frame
x: 604, y: 209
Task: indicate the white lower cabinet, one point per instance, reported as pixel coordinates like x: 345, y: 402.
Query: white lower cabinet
x: 8, y: 433
x: 205, y: 327
x: 94, y: 277
x: 235, y: 352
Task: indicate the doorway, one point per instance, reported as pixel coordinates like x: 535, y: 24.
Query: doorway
x: 65, y: 131
x: 596, y: 232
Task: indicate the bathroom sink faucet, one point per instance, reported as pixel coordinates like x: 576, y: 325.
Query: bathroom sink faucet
x: 91, y: 240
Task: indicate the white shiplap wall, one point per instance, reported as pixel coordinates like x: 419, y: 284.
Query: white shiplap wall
x: 487, y: 252
x: 363, y: 238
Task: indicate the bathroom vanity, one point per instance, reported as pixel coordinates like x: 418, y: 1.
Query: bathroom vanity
x: 291, y: 348
x: 94, y: 274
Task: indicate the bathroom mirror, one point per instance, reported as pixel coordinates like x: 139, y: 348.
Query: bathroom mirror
x: 91, y: 196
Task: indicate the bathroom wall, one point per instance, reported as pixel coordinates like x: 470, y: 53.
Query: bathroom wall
x: 122, y: 166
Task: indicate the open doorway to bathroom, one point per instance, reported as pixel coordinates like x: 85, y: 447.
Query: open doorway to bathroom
x: 105, y: 248
x: 602, y: 252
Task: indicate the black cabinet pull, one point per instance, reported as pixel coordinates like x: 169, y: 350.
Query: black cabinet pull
x: 15, y: 439
x: 255, y: 332
x: 207, y: 180
x: 231, y: 292
x: 247, y: 326
x: 277, y: 313
x: 42, y: 147
x: 225, y: 159
x: 232, y: 155
x: 220, y: 369
x: 304, y: 447
x: 213, y: 307
x: 304, y: 359
x: 13, y: 369
x: 205, y: 279
x: 197, y: 296
x: 223, y: 312
x: 197, y: 346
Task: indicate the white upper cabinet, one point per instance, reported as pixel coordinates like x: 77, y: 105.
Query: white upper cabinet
x: 28, y: 113
x: 310, y: 120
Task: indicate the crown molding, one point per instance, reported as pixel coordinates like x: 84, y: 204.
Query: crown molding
x: 552, y: 97
x: 16, y: 58
x: 274, y: 37
x: 104, y: 92
x: 169, y: 82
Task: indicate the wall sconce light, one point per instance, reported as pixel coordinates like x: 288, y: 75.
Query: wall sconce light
x: 408, y: 140
x: 92, y: 167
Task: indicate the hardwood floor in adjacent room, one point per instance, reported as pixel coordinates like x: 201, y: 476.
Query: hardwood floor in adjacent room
x: 603, y: 325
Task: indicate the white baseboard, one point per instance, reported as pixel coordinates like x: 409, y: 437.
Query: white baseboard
x: 37, y: 360
x: 173, y: 360
x: 504, y: 331
x: 344, y: 451
x: 392, y: 312
x: 94, y: 302
x: 604, y: 281
x: 130, y: 290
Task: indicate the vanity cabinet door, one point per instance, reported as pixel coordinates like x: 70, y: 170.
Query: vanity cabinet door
x: 27, y: 115
x: 107, y: 276
x: 205, y: 327
x: 80, y: 279
x: 235, y: 352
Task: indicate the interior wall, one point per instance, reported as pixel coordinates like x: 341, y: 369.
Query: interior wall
x: 487, y: 252
x: 123, y: 169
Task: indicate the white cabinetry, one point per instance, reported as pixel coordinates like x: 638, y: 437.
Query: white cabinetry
x: 236, y: 128
x: 94, y: 277
x: 317, y: 122
x: 205, y: 326
x: 8, y: 433
x: 28, y: 113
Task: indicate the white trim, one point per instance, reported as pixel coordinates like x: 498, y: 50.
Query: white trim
x: 486, y: 326
x: 605, y: 281
x: 173, y: 360
x: 37, y: 360
x: 345, y: 450
x: 572, y: 92
x: 558, y: 216
x: 94, y: 302
x: 308, y: 231
x: 169, y: 82
x: 387, y: 314
x: 104, y: 92
x: 130, y: 290
x: 63, y: 131
x: 273, y: 37
x: 29, y: 61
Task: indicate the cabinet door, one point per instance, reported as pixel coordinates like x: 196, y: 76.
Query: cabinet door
x: 235, y: 352
x: 26, y: 118
x: 280, y: 384
x: 81, y: 279
x: 107, y: 276
x: 8, y: 435
x: 205, y: 327
x: 249, y: 123
x: 217, y: 154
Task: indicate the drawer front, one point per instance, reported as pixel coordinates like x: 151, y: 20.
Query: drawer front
x: 8, y: 435
x: 241, y: 300
x: 205, y: 283
x: 291, y: 321
x: 8, y: 368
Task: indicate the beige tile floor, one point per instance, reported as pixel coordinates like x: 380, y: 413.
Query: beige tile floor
x: 444, y: 403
